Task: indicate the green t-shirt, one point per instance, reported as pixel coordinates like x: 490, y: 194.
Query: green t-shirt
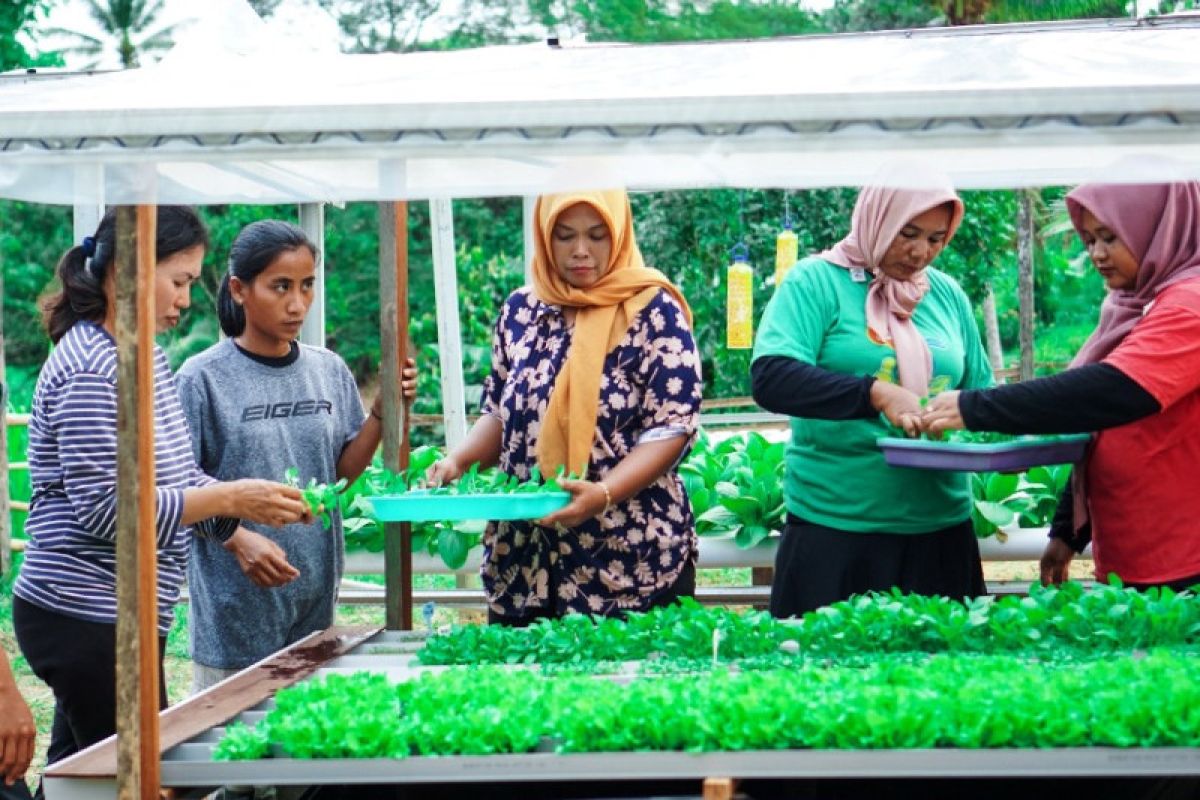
x: 836, y: 475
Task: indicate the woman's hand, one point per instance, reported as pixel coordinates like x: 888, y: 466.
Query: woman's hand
x: 588, y: 500
x: 942, y: 414
x: 408, y: 380
x: 443, y: 471
x: 1055, y: 562
x: 901, y: 406
x: 16, y: 729
x: 264, y: 562
x: 408, y: 388
x: 267, y: 502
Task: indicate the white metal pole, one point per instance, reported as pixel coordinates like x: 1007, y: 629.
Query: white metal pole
x: 527, y: 204
x: 445, y: 287
x: 312, y: 220
x: 89, y: 204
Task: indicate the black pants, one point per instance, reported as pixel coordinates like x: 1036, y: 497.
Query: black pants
x: 685, y: 586
x: 77, y: 660
x: 816, y: 565
x: 18, y: 791
x: 1180, y: 585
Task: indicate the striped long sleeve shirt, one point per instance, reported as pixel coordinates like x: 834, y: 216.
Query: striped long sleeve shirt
x: 70, y: 563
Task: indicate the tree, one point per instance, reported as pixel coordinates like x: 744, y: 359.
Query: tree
x: 17, y: 16
x: 381, y: 26
x: 668, y: 21
x: 264, y: 8
x: 1039, y: 10
x: 130, y: 23
x: 876, y: 15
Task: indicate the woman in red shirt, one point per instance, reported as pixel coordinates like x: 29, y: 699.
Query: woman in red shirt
x: 1136, y: 381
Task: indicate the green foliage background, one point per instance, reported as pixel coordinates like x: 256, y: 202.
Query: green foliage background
x: 685, y: 234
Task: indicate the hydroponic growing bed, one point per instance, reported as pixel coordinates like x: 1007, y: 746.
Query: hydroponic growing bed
x: 1067, y: 682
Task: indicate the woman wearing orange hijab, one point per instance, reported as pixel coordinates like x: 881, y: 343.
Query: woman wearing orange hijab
x: 594, y: 369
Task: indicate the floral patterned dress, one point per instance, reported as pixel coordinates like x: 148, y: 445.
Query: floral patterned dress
x: 651, y: 389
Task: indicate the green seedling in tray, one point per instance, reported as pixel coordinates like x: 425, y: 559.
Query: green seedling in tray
x: 320, y: 497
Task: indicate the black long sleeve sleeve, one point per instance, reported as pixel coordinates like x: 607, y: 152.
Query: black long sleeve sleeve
x: 1063, y: 524
x: 789, y: 386
x: 1080, y: 400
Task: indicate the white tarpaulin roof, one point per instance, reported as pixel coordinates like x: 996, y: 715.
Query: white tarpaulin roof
x: 236, y: 116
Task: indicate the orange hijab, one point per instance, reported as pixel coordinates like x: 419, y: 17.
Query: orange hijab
x: 604, y: 311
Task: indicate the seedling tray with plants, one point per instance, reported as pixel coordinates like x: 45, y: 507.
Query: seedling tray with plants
x: 476, y: 495
x: 418, y: 505
x: 1008, y: 454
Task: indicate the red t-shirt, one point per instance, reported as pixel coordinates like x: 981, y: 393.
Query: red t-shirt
x: 1143, y: 479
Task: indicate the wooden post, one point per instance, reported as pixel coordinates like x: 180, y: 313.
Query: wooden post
x: 1025, y: 242
x: 5, y: 490
x: 719, y: 788
x: 393, y: 319
x: 137, y: 565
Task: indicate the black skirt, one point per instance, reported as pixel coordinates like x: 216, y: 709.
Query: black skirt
x: 816, y: 565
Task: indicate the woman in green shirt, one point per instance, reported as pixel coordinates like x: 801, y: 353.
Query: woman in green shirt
x: 854, y: 338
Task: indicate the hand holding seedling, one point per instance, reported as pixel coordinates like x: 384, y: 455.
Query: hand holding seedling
x: 900, y: 406
x: 588, y: 500
x: 942, y: 414
x: 443, y: 472
x: 267, y: 502
x: 318, y: 497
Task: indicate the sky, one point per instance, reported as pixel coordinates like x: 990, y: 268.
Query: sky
x: 297, y: 18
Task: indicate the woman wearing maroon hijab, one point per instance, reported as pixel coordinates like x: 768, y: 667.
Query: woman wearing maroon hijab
x: 1136, y: 381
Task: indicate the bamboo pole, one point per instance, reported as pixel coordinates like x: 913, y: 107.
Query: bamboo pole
x: 137, y: 566
x: 393, y: 313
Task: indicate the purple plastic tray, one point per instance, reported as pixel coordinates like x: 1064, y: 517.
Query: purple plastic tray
x: 1019, y: 454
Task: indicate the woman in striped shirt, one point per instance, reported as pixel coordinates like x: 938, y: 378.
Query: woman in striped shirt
x: 64, y: 604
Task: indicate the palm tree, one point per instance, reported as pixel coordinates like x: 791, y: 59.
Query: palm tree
x: 128, y: 22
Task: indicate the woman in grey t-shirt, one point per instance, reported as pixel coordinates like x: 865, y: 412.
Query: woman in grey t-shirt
x: 259, y: 403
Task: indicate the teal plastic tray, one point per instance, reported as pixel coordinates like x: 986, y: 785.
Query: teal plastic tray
x: 421, y: 506
x: 1016, y: 455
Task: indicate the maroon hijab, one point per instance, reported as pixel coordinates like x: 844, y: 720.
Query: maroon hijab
x: 1160, y: 224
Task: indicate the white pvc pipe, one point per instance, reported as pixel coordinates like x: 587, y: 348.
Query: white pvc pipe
x: 445, y: 287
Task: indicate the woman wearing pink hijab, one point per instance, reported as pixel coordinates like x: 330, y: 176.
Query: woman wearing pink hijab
x: 855, y: 335
x: 1136, y: 381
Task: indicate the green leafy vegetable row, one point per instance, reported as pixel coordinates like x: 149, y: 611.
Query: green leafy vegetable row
x: 963, y: 702
x: 1067, y: 622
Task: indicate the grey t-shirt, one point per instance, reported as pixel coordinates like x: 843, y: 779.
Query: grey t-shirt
x: 253, y: 420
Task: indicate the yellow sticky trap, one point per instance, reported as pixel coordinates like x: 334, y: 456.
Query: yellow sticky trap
x: 787, y: 252
x: 739, y: 304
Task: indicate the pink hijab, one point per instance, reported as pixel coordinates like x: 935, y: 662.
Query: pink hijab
x: 879, y: 215
x: 1160, y: 224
